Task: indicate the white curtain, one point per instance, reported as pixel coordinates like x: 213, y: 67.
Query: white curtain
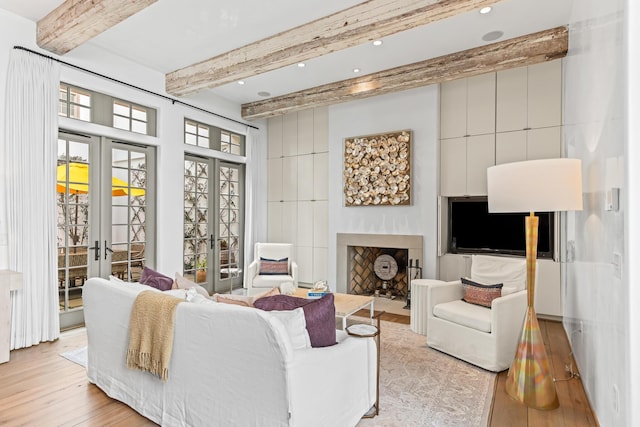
x: 31, y: 135
x: 255, y: 222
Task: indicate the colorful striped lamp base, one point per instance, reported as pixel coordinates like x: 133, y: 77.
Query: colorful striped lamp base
x: 529, y: 380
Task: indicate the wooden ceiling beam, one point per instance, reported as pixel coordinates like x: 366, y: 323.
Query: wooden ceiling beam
x: 517, y: 52
x: 359, y: 24
x: 76, y: 21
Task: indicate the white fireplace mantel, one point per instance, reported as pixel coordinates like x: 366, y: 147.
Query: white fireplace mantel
x: 413, y: 243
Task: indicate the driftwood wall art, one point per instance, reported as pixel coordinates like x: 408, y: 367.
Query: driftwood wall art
x: 377, y: 169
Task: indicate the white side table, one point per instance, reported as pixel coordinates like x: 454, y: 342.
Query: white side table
x: 419, y: 304
x: 370, y: 331
x: 9, y: 281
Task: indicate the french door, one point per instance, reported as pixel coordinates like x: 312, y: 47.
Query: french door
x: 105, y: 215
x: 213, y: 223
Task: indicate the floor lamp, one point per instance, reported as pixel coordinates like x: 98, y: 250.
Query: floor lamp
x: 533, y: 186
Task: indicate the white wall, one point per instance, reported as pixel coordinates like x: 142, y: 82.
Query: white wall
x: 417, y: 110
x: 169, y: 144
x: 632, y: 225
x: 597, y: 297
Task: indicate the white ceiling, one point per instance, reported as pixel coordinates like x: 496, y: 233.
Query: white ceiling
x: 172, y: 34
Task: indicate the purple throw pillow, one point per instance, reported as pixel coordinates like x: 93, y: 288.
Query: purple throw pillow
x: 156, y: 280
x: 319, y: 314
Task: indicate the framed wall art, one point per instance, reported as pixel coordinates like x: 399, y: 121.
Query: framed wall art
x: 377, y: 169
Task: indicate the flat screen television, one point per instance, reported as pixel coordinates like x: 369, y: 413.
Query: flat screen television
x: 472, y: 229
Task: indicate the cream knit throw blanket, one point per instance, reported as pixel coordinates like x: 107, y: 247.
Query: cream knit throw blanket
x: 151, y: 333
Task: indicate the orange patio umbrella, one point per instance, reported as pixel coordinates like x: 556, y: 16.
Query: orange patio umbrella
x: 79, y: 181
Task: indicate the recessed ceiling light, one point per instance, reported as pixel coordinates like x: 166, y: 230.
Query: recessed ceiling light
x: 485, y: 9
x: 241, y: 82
x: 377, y: 42
x: 356, y: 70
x: 492, y: 35
x: 301, y: 64
x: 263, y: 93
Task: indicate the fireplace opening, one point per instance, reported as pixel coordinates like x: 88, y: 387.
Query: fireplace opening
x: 377, y: 271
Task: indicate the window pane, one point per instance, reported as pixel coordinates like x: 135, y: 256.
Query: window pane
x: 203, y: 142
x: 121, y: 109
x: 80, y: 97
x: 120, y: 122
x: 190, y: 127
x: 190, y: 139
x: 139, y: 113
x: 203, y: 131
x: 139, y: 127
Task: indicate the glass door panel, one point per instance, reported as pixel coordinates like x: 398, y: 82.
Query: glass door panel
x: 74, y: 190
x: 197, y: 238
x: 230, y: 219
x: 129, y: 210
x: 213, y: 212
x: 104, y: 215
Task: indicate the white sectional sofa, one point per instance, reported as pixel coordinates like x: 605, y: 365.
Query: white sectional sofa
x: 230, y: 366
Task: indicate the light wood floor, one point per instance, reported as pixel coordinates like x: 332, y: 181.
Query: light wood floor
x: 40, y: 388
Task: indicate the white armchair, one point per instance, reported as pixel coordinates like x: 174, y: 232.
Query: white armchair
x: 270, y: 252
x: 485, y: 337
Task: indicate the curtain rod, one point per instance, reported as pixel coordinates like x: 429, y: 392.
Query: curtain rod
x: 168, y: 98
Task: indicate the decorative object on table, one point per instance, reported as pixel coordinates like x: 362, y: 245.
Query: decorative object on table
x: 319, y: 289
x: 533, y: 186
x: 362, y: 330
x: 386, y: 268
x: 377, y: 169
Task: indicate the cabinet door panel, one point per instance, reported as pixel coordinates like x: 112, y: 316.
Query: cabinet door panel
x: 321, y: 176
x: 453, y: 167
x: 289, y: 217
x: 305, y: 132
x: 290, y: 134
x: 274, y: 136
x: 481, y: 154
x: 453, y: 109
x: 511, y: 147
x: 289, y: 178
x: 454, y: 266
x: 305, y: 264
x: 320, y: 268
x: 274, y: 180
x: 481, y: 104
x: 274, y: 221
x: 545, y: 94
x: 305, y: 177
x: 511, y: 95
x: 305, y: 224
x: 544, y: 143
x: 320, y: 224
x: 321, y: 130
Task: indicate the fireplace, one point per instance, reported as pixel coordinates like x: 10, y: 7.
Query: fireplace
x: 357, y: 253
x: 377, y: 271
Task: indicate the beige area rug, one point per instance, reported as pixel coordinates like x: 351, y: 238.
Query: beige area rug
x: 395, y: 306
x: 420, y: 386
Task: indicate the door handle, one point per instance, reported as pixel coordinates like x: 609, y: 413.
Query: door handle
x: 106, y: 249
x: 96, y: 249
x: 211, y: 242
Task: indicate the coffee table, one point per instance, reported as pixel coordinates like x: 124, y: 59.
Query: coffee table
x: 346, y: 304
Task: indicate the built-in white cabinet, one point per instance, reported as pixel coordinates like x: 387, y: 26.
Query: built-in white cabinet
x: 495, y: 118
x: 297, y: 188
x: 532, y: 144
x: 453, y: 267
x: 463, y: 165
x: 508, y: 116
x: 467, y: 106
x: 529, y: 97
